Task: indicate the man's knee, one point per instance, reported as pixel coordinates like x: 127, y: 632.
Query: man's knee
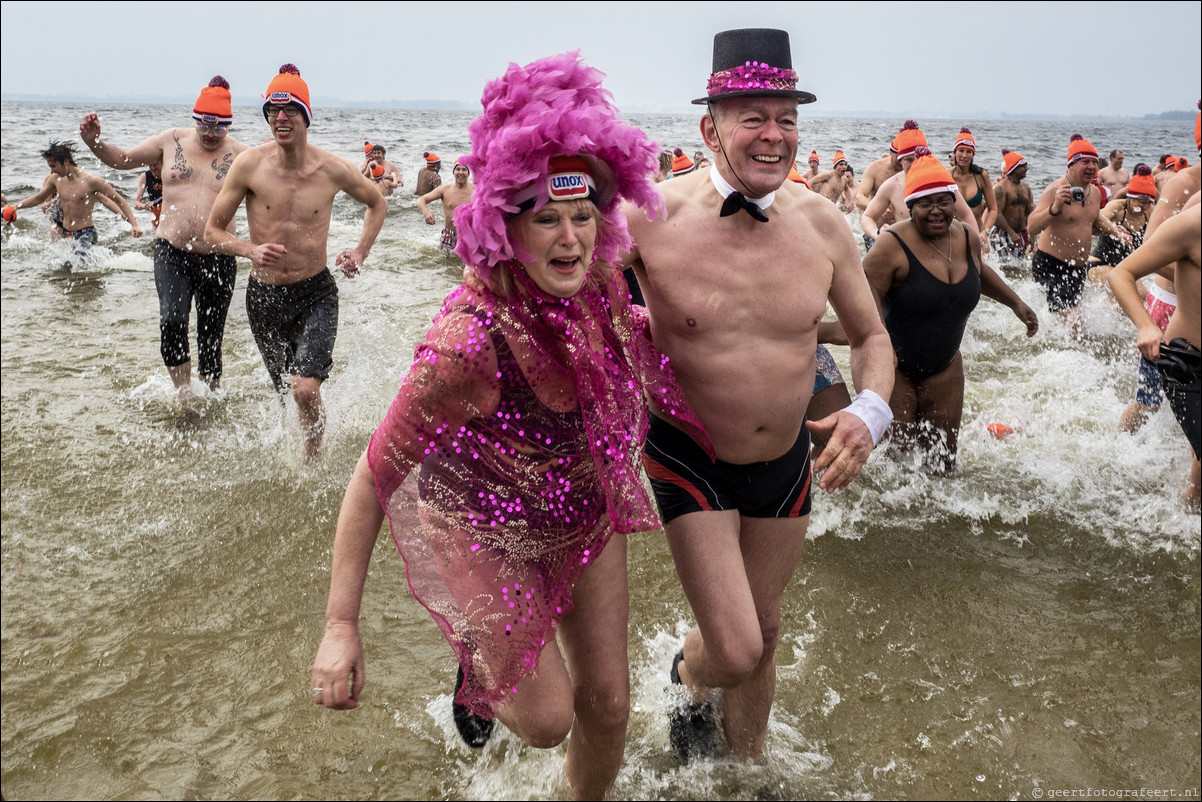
x: 306, y: 391
x: 607, y: 710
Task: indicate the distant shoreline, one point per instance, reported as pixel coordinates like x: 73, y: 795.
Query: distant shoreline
x: 451, y: 105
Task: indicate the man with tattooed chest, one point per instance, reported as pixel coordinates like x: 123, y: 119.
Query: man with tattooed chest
x: 195, y: 162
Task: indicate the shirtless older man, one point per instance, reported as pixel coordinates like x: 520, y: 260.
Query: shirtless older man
x: 1113, y: 176
x: 1069, y: 211
x: 78, y: 192
x: 736, y: 304
x: 1015, y: 201
x: 889, y: 203
x: 451, y: 196
x: 194, y: 163
x: 291, y: 298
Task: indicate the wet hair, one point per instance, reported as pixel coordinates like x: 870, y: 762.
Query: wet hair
x: 378, y: 147
x: 62, y: 152
x: 1114, y: 153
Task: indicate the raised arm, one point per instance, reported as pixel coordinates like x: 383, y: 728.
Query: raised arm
x: 143, y: 154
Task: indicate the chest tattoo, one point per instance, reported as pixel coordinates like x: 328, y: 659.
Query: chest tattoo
x: 224, y: 167
x: 181, y: 164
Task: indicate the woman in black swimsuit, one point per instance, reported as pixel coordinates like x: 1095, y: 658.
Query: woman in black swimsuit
x: 929, y: 276
x: 973, y: 181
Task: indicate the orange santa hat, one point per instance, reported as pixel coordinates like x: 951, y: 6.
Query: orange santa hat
x: 1080, y: 148
x: 927, y: 176
x: 965, y: 140
x: 909, y: 138
x: 1143, y: 184
x: 1011, y: 161
x: 288, y: 87
x: 681, y: 164
x: 213, y: 106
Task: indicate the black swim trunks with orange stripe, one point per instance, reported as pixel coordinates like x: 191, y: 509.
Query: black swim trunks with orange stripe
x: 685, y: 480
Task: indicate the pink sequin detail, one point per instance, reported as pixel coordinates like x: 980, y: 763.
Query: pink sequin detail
x: 751, y: 75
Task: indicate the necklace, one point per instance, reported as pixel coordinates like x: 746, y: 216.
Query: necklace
x: 948, y: 256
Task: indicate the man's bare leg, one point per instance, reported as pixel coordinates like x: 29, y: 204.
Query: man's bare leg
x: 594, y: 637
x: 734, y: 571
x: 307, y: 392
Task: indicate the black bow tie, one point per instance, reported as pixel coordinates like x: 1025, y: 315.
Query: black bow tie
x: 735, y: 201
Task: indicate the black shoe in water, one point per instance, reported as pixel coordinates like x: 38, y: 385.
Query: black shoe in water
x: 692, y: 727
x: 474, y: 731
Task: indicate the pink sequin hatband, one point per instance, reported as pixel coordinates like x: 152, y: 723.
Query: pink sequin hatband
x: 751, y: 76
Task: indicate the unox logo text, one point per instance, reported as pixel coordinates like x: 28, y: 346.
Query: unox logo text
x: 566, y: 186
x: 280, y: 97
x: 209, y: 119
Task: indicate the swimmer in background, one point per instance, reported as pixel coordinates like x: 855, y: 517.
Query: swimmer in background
x: 383, y: 173
x: 451, y: 196
x: 1113, y: 176
x: 664, y: 172
x: 150, y: 187
x: 812, y: 173
x: 428, y: 178
x: 78, y: 192
x: 1015, y: 202
x: 878, y: 173
x: 1064, y: 220
x: 973, y: 181
x: 834, y: 184
x: 889, y: 201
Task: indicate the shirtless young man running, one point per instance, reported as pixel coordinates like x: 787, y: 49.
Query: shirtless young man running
x: 78, y: 192
x: 736, y: 304
x: 194, y: 164
x: 291, y: 298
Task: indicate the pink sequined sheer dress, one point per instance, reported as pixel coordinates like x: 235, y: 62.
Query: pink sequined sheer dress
x: 527, y: 417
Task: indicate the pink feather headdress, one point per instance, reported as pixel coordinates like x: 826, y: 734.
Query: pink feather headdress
x: 551, y: 107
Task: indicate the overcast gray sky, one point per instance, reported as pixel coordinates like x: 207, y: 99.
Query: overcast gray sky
x: 922, y: 59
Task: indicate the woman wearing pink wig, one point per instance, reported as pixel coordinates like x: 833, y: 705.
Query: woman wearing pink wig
x: 524, y: 410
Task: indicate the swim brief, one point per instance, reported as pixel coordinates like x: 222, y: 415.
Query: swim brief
x: 1180, y: 367
x: 294, y: 326
x: 1063, y: 283
x: 686, y: 480
x: 868, y: 242
x: 826, y: 372
x: 449, y: 239
x: 1160, y: 304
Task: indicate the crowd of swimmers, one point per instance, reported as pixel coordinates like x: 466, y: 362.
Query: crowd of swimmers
x: 549, y: 385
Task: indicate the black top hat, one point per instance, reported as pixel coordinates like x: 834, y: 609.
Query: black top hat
x: 752, y: 62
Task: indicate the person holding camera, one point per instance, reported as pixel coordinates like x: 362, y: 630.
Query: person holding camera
x: 1068, y: 213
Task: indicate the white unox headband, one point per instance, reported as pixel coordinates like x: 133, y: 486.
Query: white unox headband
x: 558, y: 186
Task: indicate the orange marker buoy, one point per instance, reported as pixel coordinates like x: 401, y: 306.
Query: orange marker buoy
x: 1000, y: 430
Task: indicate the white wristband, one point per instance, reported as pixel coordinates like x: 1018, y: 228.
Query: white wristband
x: 872, y: 409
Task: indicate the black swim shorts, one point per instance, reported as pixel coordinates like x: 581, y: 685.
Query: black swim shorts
x: 1180, y: 366
x: 294, y: 326
x: 1063, y: 283
x: 685, y: 480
